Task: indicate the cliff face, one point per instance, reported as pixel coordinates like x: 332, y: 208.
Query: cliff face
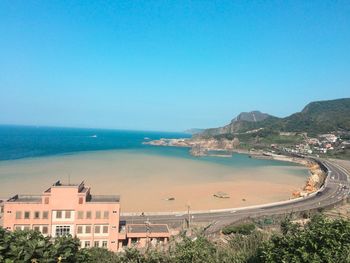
x: 314, y: 181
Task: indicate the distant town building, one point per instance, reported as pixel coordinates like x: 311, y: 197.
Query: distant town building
x: 288, y: 133
x: 71, y: 209
x: 328, y: 137
x: 328, y: 146
x: 313, y: 141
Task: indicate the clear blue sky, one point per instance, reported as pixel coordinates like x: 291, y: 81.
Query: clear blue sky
x: 168, y: 65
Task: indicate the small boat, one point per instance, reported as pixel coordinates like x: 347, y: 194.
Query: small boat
x: 170, y: 199
x: 93, y: 136
x: 146, y: 138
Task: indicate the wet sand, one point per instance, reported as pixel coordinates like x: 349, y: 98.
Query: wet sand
x: 145, y: 181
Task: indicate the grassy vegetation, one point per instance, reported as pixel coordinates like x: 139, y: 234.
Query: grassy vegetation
x: 263, y: 139
x: 339, y: 154
x: 279, y: 139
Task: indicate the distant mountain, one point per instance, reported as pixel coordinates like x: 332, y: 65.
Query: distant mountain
x: 316, y: 117
x: 243, y: 122
x: 320, y: 117
x: 252, y: 116
x: 193, y: 131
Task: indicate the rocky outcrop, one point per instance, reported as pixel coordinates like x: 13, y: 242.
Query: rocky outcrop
x: 314, y: 181
x: 199, y: 147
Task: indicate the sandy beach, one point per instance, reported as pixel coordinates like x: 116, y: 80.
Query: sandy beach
x: 146, y: 181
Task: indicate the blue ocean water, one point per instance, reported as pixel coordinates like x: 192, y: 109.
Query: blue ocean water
x: 18, y: 142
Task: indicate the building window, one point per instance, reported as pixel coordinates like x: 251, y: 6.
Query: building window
x: 45, y: 215
x: 87, y: 243
x: 96, y: 243
x: 68, y: 214
x: 80, y: 214
x: 18, y: 228
x: 80, y: 230
x: 105, y: 229
x: 81, y: 200
x: 104, y: 243
x: 97, y: 229
x: 59, y: 214
x: 36, y: 215
x: 26, y: 228
x: 98, y: 214
x: 36, y: 228
x: 26, y: 215
x: 18, y: 214
x: 105, y: 215
x: 46, y: 200
x: 45, y: 230
x: 62, y: 230
x: 88, y: 229
x: 114, y: 211
x: 88, y: 215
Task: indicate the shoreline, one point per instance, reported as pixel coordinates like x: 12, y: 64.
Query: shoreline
x: 313, y: 183
x: 133, y: 175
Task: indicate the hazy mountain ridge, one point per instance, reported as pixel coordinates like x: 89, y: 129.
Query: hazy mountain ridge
x: 316, y: 117
x: 193, y: 131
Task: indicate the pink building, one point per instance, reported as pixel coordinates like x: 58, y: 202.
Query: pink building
x: 72, y: 209
x: 67, y: 209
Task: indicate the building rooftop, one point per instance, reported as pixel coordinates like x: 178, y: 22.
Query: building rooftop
x: 81, y: 189
x: 144, y: 228
x: 25, y: 199
x: 103, y: 198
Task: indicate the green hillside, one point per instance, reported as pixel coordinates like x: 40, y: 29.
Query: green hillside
x: 316, y: 118
x: 320, y: 117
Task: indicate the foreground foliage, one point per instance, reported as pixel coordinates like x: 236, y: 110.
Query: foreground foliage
x: 243, y: 229
x: 31, y: 246
x: 321, y: 240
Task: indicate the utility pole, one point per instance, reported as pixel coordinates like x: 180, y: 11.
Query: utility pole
x: 188, y: 216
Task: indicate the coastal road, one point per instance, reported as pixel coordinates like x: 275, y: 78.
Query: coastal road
x: 335, y: 189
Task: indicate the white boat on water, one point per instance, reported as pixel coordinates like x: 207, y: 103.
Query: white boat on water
x: 93, y: 136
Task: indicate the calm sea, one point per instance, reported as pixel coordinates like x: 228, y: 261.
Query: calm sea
x: 18, y: 142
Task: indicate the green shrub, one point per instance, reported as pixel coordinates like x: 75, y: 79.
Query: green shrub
x: 321, y: 240
x: 31, y: 246
x: 243, y: 229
